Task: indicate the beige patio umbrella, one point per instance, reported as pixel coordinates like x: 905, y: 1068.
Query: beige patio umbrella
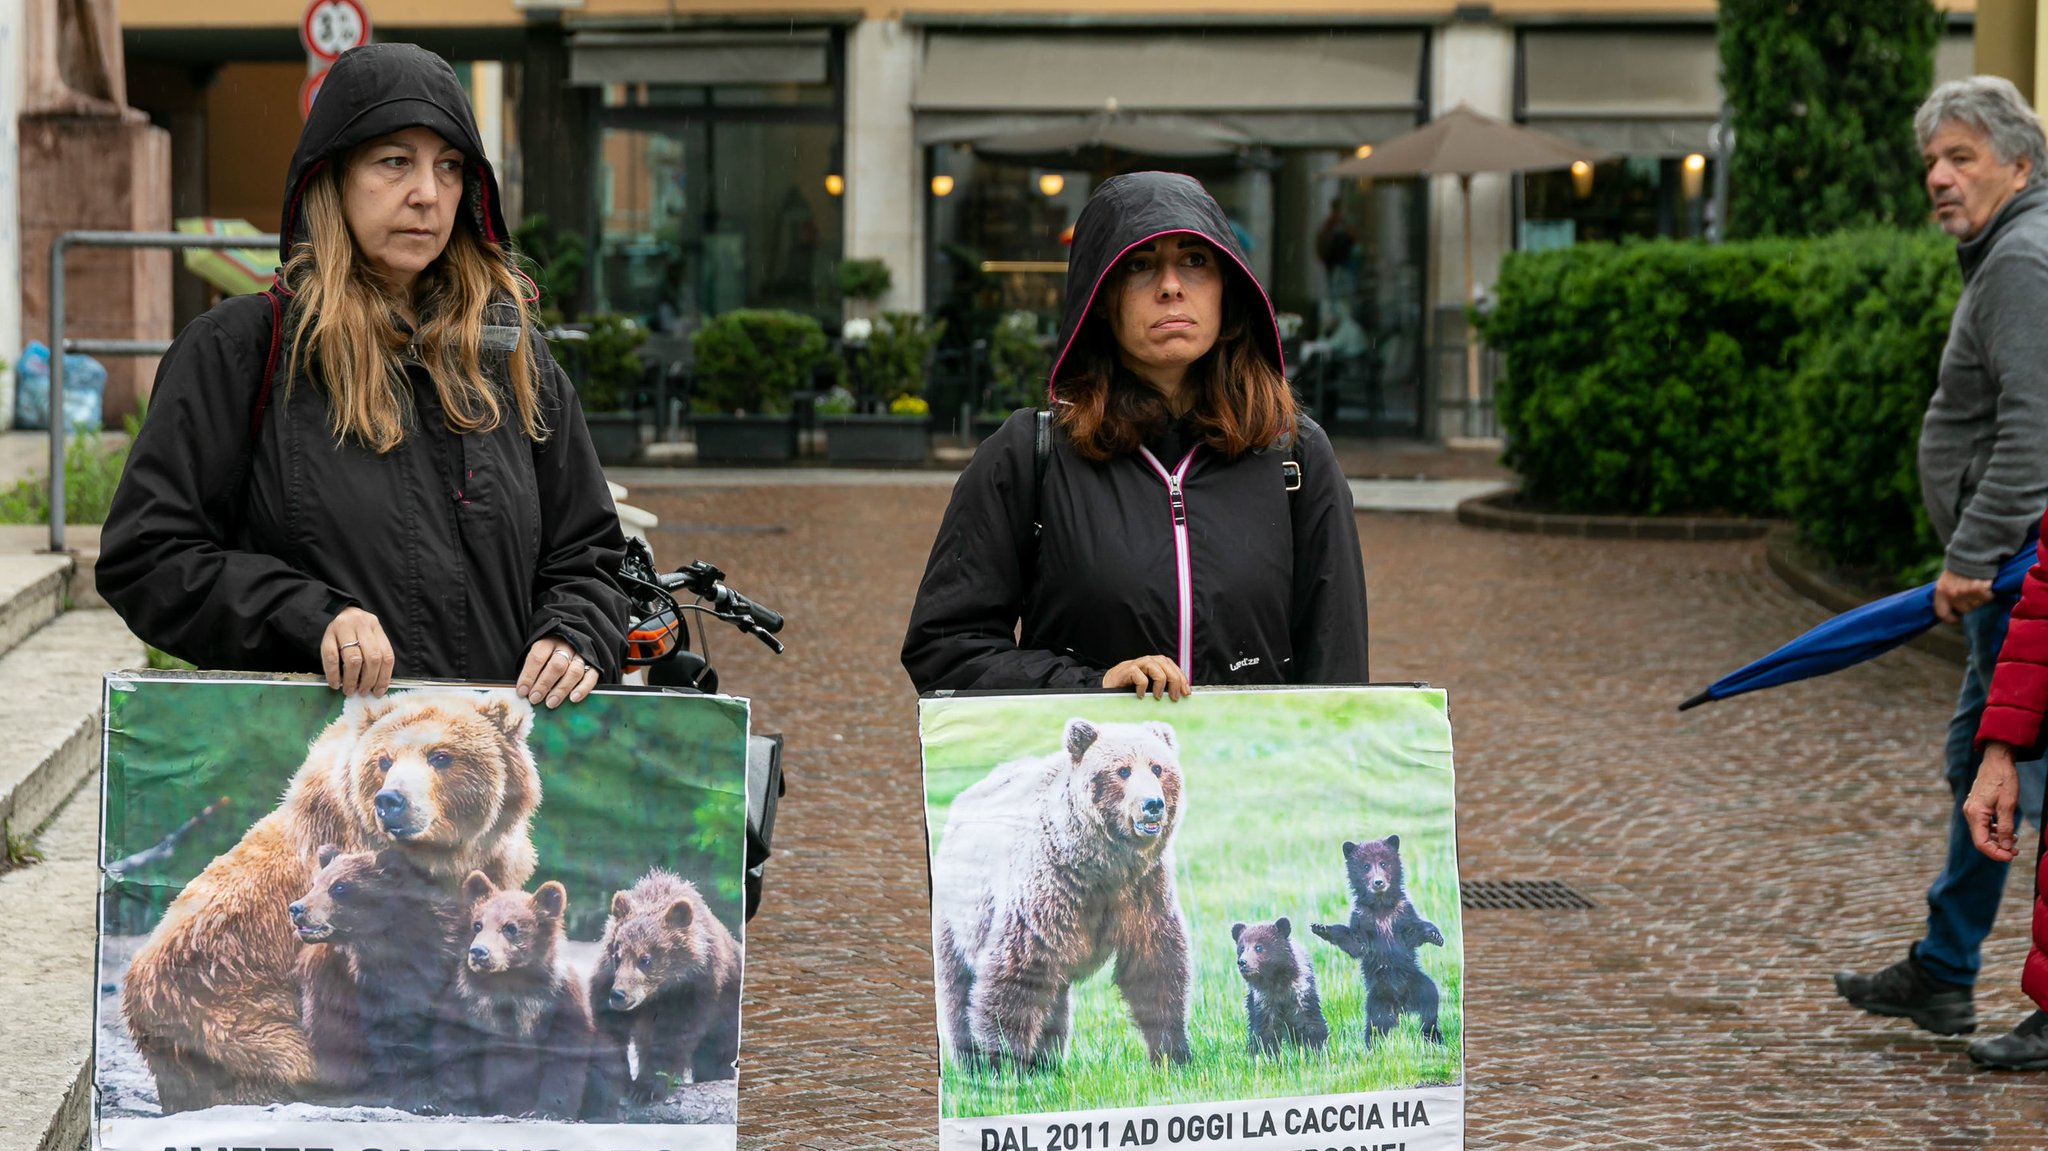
x: 1464, y: 143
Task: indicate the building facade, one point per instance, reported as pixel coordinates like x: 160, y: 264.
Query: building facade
x: 731, y: 154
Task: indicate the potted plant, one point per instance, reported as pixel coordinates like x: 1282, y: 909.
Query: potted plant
x: 749, y: 362
x: 862, y: 282
x: 1018, y: 361
x: 612, y: 370
x: 889, y: 367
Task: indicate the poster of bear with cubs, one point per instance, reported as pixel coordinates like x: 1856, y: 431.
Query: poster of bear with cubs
x: 410, y: 920
x: 1230, y: 920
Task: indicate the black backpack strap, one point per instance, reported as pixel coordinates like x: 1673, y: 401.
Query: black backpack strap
x: 269, y: 367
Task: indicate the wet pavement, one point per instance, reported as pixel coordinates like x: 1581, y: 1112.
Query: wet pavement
x: 1737, y: 854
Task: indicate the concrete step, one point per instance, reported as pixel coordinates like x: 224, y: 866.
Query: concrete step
x: 50, y: 688
x: 81, y: 545
x: 46, y: 983
x: 33, y: 588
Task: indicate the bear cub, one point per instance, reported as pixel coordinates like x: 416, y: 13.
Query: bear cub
x: 371, y: 1018
x: 667, y: 985
x: 1280, y: 1001
x: 515, y: 1037
x: 1383, y: 934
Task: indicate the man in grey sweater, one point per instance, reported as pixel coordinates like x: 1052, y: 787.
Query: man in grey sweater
x: 1984, y: 477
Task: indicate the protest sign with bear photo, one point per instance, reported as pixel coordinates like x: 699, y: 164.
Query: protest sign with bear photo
x: 1231, y: 920
x: 416, y: 919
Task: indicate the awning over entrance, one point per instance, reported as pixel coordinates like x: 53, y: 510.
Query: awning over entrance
x: 598, y: 58
x: 1280, y: 89
x: 1646, y: 91
x: 1639, y: 91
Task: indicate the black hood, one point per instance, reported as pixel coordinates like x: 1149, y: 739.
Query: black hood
x: 379, y: 89
x: 1129, y: 210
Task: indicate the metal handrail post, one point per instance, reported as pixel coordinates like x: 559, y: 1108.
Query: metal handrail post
x: 56, y: 401
x: 59, y: 346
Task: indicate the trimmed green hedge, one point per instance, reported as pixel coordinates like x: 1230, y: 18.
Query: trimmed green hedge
x: 1759, y: 378
x: 1874, y: 317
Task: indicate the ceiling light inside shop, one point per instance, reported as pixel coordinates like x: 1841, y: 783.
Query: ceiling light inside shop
x: 942, y: 186
x: 1362, y: 151
x: 1695, y: 163
x: 835, y: 184
x: 1582, y: 179
x: 1052, y: 183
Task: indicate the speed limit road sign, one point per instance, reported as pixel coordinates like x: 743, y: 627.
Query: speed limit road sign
x: 331, y: 27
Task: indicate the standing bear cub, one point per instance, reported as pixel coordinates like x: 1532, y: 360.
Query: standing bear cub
x: 667, y: 985
x: 515, y: 1036
x: 1280, y: 1001
x: 1384, y: 932
x: 1049, y: 867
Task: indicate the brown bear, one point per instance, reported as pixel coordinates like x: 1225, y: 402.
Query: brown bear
x: 1280, y: 1000
x: 1384, y: 932
x: 514, y: 1035
x: 443, y: 775
x: 1048, y: 867
x: 667, y: 984
x: 370, y: 1018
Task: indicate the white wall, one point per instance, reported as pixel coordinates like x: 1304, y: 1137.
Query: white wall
x: 884, y: 167
x: 1474, y: 64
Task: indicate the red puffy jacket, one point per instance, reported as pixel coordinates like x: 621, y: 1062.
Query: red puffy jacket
x: 2012, y: 716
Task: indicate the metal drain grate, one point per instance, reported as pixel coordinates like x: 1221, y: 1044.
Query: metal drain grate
x: 1520, y: 895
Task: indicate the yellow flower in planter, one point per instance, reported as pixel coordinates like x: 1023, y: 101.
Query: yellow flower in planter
x: 909, y: 405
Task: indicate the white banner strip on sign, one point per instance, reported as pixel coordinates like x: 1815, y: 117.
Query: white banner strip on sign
x: 1422, y: 1119
x: 519, y: 1135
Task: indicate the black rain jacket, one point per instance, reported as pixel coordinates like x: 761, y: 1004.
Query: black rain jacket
x: 234, y: 546
x: 1209, y: 561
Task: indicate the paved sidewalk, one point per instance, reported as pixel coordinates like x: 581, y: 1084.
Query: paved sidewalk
x: 1739, y: 853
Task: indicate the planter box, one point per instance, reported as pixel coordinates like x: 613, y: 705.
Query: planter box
x: 725, y: 439
x: 876, y: 439
x: 615, y: 435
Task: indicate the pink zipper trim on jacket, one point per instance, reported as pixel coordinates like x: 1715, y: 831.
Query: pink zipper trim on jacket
x: 1183, y: 570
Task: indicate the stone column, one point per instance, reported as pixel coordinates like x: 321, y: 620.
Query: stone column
x: 1473, y: 63
x: 13, y: 61
x: 90, y: 161
x: 885, y: 179
x: 2005, y: 41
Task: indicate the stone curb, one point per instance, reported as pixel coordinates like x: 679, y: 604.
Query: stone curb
x: 1490, y: 512
x: 1788, y: 562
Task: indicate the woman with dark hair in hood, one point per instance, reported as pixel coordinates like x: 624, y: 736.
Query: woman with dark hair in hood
x: 1181, y: 522
x: 375, y: 469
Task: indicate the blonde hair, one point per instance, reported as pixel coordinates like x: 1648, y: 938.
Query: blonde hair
x: 343, y: 317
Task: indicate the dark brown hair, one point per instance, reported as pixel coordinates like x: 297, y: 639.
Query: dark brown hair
x: 1242, y: 402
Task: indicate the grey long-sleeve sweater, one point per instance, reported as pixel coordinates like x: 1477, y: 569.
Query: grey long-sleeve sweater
x: 1984, y: 441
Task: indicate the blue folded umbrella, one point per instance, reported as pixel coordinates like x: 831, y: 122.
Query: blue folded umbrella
x: 1858, y: 634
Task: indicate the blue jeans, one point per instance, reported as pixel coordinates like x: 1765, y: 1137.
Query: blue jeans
x: 1963, y: 901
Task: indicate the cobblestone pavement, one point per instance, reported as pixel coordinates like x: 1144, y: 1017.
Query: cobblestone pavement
x: 1739, y: 853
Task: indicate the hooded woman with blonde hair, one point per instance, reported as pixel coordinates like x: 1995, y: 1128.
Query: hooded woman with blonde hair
x: 375, y: 469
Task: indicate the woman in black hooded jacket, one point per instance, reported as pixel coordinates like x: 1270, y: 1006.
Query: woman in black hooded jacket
x: 374, y: 469
x: 1185, y: 524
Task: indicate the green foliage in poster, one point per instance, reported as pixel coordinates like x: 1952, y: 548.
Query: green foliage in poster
x: 628, y: 782
x: 1823, y: 94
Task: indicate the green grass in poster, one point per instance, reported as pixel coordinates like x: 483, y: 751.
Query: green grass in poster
x: 629, y: 781
x: 1274, y: 783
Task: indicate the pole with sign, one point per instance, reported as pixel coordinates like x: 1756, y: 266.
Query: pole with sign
x: 329, y: 28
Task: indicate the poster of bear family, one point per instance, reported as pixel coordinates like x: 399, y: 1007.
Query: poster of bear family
x: 1230, y: 920
x: 410, y: 920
